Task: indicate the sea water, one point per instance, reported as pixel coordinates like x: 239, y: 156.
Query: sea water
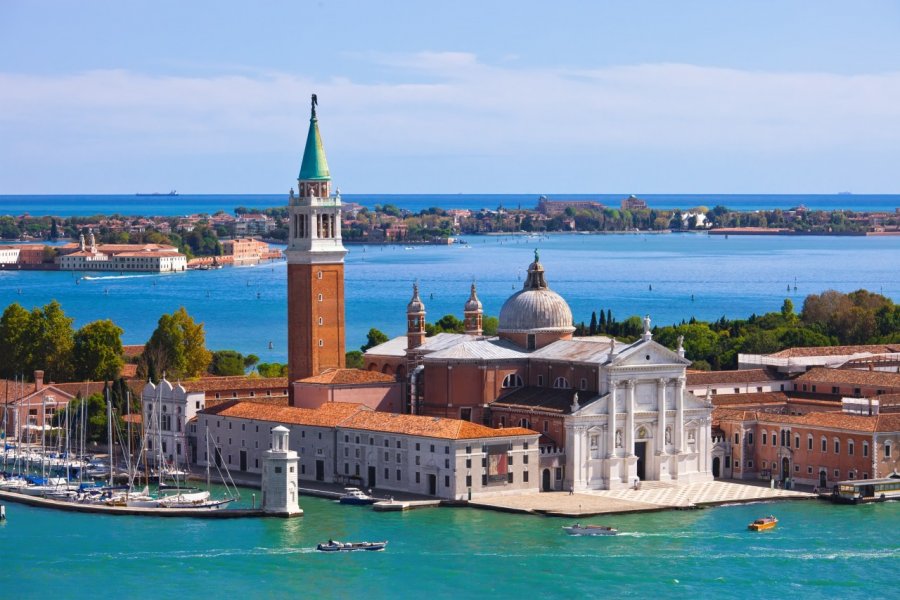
x: 818, y: 550
x: 187, y: 204
x: 671, y: 277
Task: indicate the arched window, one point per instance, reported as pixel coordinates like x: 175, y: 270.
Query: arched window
x: 524, y: 423
x: 561, y: 383
x: 887, y: 449
x: 850, y: 447
x: 824, y: 444
x: 512, y: 381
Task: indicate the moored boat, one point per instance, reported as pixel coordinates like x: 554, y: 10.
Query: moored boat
x: 578, y: 529
x: 336, y: 546
x: 356, y: 496
x: 861, y: 491
x: 763, y: 524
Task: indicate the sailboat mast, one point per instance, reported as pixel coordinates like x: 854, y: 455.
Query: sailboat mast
x: 109, y: 435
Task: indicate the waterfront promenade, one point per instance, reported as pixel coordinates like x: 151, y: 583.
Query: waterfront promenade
x: 652, y: 496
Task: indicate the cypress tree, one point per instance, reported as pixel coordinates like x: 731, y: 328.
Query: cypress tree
x: 593, y: 329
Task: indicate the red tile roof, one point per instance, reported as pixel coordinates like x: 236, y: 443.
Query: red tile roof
x: 327, y: 415
x: 751, y: 399
x: 218, y: 384
x: 728, y: 377
x: 828, y: 420
x: 850, y: 376
x: 132, y: 350
x: 348, y: 377
x: 434, y: 427
x: 807, y: 352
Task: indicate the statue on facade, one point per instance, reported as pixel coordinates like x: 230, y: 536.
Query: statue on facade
x: 668, y: 435
x: 680, y: 342
x: 618, y: 438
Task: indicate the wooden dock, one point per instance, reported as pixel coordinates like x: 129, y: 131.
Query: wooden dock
x: 400, y: 505
x: 196, y: 513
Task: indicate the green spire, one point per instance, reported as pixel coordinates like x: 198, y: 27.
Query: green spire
x: 314, y: 166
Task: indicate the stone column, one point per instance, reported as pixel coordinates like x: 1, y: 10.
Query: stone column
x: 679, y: 414
x: 577, y: 458
x: 629, y: 420
x: 661, y: 408
x: 611, y: 434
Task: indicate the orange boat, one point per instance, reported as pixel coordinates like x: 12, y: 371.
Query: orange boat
x: 762, y: 524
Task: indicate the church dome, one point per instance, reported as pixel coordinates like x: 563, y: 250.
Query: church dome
x: 535, y: 308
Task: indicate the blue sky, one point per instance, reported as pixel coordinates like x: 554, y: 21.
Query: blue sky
x: 471, y: 97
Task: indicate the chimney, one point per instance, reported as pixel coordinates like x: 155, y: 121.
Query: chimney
x: 38, y: 381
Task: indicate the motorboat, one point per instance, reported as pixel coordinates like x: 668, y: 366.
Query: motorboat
x: 763, y: 524
x: 336, y: 546
x: 578, y: 529
x: 356, y: 496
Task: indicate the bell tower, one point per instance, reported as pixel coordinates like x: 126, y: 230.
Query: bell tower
x: 315, y: 269
x: 415, y: 320
x: 473, y: 314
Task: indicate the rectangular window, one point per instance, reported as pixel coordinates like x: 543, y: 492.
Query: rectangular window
x: 468, y: 463
x: 386, y: 471
x: 837, y: 446
x: 837, y: 474
x: 809, y: 470
x: 824, y: 445
x: 887, y: 450
x: 446, y: 481
x: 850, y: 448
x: 559, y: 473
x: 468, y: 481
x: 346, y: 468
x: 417, y: 460
x: 749, y: 464
x: 525, y: 476
x: 510, y: 460
x: 432, y: 448
x: 509, y: 477
x: 446, y: 463
x: 417, y: 446
x: 540, y: 380
x: 809, y: 443
x: 398, y: 474
x: 750, y: 438
x: 865, y: 449
x: 525, y: 459
x: 484, y: 480
x: 764, y: 438
x: 797, y: 442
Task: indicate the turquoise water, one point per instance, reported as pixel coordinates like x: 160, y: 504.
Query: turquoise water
x: 818, y: 550
x: 245, y: 307
x: 185, y: 204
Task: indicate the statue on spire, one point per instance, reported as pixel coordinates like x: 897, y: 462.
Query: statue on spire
x: 537, y: 257
x: 315, y: 102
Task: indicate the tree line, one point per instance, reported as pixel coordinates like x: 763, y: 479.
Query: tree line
x: 828, y: 319
x: 44, y: 339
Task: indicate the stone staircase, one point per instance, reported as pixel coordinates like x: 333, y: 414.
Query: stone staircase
x: 657, y: 485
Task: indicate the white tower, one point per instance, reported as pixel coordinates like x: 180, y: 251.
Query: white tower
x: 279, y: 478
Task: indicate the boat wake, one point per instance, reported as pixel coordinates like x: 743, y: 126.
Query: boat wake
x: 108, y: 277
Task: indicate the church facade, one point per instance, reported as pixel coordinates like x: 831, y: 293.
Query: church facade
x: 610, y: 414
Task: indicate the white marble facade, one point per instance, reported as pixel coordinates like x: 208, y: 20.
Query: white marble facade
x: 660, y: 432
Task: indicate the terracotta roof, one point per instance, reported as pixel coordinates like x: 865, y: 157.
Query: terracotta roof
x: 740, y: 376
x: 830, y: 420
x: 750, y: 399
x: 888, y: 422
x: 850, y: 376
x: 328, y: 415
x: 217, y: 384
x: 129, y: 371
x: 807, y: 352
x: 348, y: 377
x: 9, y: 393
x: 433, y: 427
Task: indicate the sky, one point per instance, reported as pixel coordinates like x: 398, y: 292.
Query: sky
x: 489, y: 96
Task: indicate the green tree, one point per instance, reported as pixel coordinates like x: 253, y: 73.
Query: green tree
x: 227, y: 362
x: 489, y: 325
x: 271, y: 369
x: 50, y: 340
x: 354, y: 359
x: 177, y: 348
x: 14, y: 347
x: 374, y: 338
x: 97, y: 351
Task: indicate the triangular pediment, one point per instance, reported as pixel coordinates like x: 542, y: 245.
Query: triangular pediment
x: 595, y: 407
x: 648, y: 353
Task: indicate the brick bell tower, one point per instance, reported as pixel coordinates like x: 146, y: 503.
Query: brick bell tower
x: 315, y: 269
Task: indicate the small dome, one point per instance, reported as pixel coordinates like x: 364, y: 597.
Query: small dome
x: 415, y: 304
x: 536, y: 307
x: 473, y: 304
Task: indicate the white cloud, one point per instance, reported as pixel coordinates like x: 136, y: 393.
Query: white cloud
x: 449, y: 104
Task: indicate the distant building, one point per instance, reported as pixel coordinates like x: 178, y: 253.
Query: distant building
x: 745, y: 381
x: 245, y: 251
x: 553, y: 208
x: 632, y: 203
x: 120, y: 257
x: 27, y: 408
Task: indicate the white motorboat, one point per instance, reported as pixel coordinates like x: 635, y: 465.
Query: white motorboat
x: 356, y: 496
